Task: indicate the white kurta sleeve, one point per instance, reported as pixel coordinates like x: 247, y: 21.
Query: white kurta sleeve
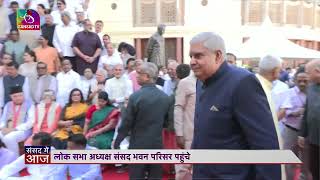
x: 93, y: 173
x: 53, y: 85
x: 1, y: 94
x: 3, y: 121
x: 26, y: 90
x: 13, y: 168
x: 129, y: 91
x: 107, y: 87
x: 129, y: 88
x: 77, y: 81
x: 55, y: 40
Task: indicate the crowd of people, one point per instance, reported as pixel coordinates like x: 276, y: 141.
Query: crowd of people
x: 68, y: 87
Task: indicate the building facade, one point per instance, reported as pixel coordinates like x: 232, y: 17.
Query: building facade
x: 134, y: 21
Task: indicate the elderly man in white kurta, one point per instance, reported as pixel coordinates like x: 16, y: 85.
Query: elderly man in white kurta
x: 13, y: 120
x: 119, y: 87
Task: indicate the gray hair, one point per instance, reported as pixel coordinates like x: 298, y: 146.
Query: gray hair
x: 103, y: 72
x: 49, y: 92
x: 268, y: 63
x: 211, y: 41
x: 150, y: 69
x: 66, y: 13
x: 118, y: 64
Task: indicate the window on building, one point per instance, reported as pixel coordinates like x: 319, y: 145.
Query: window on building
x: 275, y: 11
x: 255, y: 11
x: 154, y: 12
x: 318, y: 15
x: 292, y: 12
x: 308, y: 13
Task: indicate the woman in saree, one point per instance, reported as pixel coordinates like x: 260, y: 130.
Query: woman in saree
x: 71, y: 119
x: 101, y: 121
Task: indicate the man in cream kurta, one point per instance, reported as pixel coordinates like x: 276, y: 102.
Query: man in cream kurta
x: 119, y: 87
x: 269, y: 71
x: 184, y: 119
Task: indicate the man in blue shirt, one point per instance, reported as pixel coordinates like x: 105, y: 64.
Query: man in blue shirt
x: 232, y: 112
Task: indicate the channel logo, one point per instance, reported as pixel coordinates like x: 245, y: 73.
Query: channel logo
x: 28, y: 19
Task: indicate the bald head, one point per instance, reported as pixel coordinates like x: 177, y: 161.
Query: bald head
x: 313, y: 70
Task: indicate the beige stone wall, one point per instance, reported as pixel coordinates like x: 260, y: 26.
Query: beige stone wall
x: 221, y: 16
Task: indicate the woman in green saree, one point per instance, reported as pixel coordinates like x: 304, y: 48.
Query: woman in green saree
x: 101, y: 120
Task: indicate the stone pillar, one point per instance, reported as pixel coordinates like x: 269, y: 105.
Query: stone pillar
x: 179, y: 49
x: 138, y: 48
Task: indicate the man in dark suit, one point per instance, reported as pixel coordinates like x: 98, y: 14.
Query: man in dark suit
x: 146, y: 112
x: 232, y: 112
x: 14, y: 5
x: 311, y: 119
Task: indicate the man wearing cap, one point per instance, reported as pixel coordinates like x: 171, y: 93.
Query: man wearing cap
x: 13, y: 120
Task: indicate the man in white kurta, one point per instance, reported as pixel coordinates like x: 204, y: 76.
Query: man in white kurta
x: 37, y: 172
x: 88, y: 83
x: 63, y: 36
x: 82, y: 171
x: 170, y: 85
x: 66, y: 80
x: 13, y: 120
x: 110, y: 58
x: 119, y: 88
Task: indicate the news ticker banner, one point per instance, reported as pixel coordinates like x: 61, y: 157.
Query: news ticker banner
x: 46, y: 155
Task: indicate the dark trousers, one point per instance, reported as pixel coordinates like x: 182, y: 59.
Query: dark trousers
x: 73, y: 62
x: 314, y: 161
x: 140, y: 171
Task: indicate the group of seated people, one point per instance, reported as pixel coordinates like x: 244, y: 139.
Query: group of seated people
x: 10, y: 165
x: 20, y: 120
x: 22, y: 123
